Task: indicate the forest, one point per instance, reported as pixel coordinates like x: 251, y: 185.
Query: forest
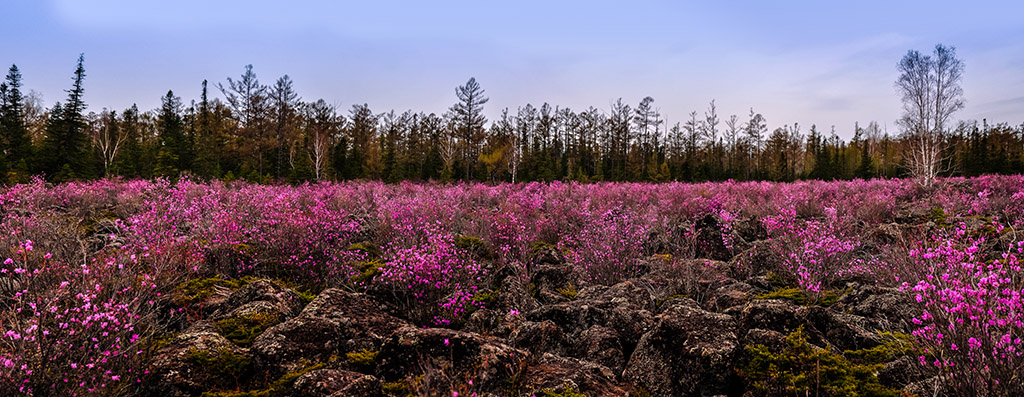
x: 268, y: 134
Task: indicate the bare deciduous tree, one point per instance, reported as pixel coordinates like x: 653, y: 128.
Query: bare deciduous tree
x: 108, y: 137
x: 930, y: 89
x: 322, y: 125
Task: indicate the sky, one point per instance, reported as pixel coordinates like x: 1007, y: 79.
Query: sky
x: 826, y: 63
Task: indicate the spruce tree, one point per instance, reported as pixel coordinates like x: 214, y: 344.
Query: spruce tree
x: 13, y: 130
x: 172, y: 154
x: 207, y: 150
x: 65, y: 151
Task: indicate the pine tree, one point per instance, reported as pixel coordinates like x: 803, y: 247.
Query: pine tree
x: 470, y: 119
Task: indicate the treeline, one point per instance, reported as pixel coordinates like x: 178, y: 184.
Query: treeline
x: 268, y: 134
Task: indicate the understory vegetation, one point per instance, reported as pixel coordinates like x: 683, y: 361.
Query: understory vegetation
x: 101, y: 279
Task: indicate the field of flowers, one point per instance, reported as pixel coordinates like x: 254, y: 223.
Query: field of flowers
x: 95, y: 276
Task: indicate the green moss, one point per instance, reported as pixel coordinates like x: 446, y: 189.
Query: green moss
x: 365, y: 360
x: 830, y: 297
x: 534, y: 291
x: 537, y: 246
x: 567, y: 391
x: 279, y: 388
x: 795, y: 295
x: 199, y: 289
x: 305, y: 296
x: 157, y: 343
x: 369, y: 251
x: 396, y: 389
x: 803, y: 369
x: 486, y: 297
x: 367, y: 271
x: 639, y: 391
x: 569, y: 292
x: 774, y: 279
x: 894, y: 345
x: 658, y: 302
x: 801, y: 297
x: 243, y: 330
x: 88, y: 225
x: 224, y: 363
x: 474, y: 245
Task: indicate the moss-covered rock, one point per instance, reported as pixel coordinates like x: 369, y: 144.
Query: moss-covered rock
x: 244, y: 329
x: 197, y: 360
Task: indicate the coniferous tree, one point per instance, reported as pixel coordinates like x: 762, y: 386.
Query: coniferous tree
x: 126, y: 163
x: 172, y: 153
x: 284, y: 101
x: 65, y: 151
x: 362, y: 134
x: 208, y: 141
x: 469, y: 115
x: 13, y: 128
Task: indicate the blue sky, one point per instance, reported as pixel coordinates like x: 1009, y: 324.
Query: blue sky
x: 811, y: 62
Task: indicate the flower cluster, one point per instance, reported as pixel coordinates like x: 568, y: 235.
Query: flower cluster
x: 437, y: 280
x: 972, y: 310
x: 817, y: 252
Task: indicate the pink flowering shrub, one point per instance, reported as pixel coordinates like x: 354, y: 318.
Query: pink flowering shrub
x: 73, y: 329
x: 608, y: 249
x: 972, y: 311
x: 817, y: 253
x: 93, y: 265
x: 435, y: 280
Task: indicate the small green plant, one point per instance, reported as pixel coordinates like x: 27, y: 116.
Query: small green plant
x: 567, y: 391
x: 774, y: 279
x: 159, y: 342
x: 364, y: 360
x: 938, y: 216
x: 639, y: 391
x: 534, y: 291
x: 486, y: 297
x: 538, y: 246
x: 367, y: 271
x: 803, y: 369
x: 369, y: 251
x: 569, y: 292
x: 243, y: 330
x: 830, y: 297
x: 474, y: 245
x: 305, y: 296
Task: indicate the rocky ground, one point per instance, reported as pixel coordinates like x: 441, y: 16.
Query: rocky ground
x: 547, y: 332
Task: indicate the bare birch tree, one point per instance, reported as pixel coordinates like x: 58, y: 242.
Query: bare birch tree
x: 107, y: 137
x: 322, y: 125
x: 930, y: 89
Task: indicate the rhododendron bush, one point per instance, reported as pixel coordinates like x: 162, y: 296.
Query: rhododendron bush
x: 972, y: 317
x: 89, y: 270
